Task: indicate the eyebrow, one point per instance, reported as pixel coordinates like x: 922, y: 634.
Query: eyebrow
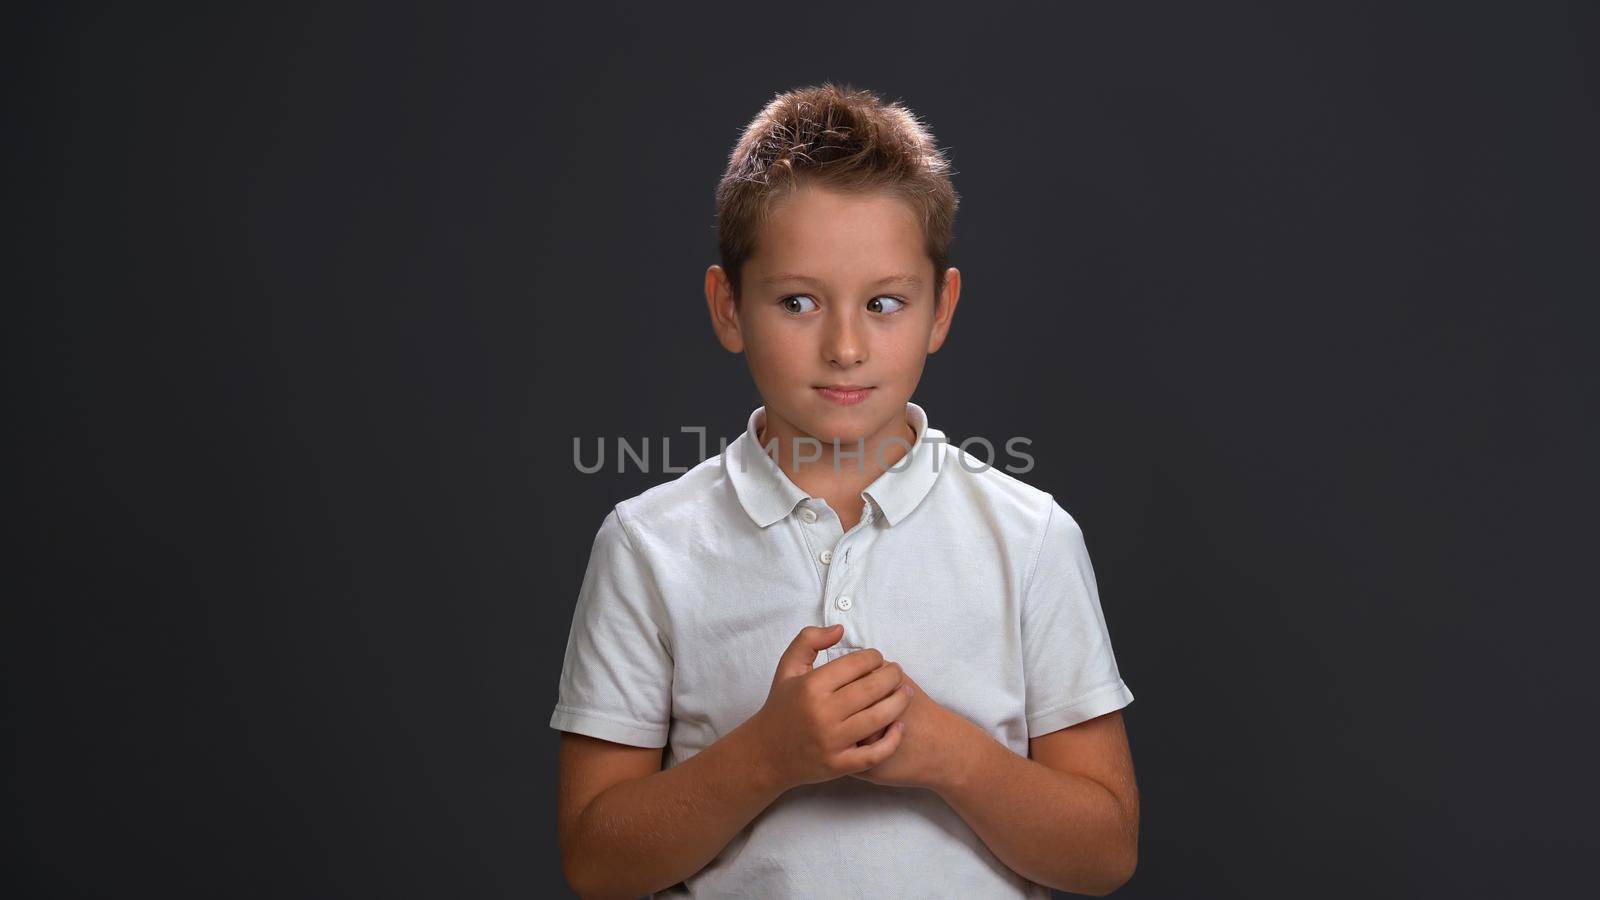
x: 908, y: 280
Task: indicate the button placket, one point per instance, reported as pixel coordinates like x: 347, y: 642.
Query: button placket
x: 816, y: 547
x: 802, y: 514
x: 836, y: 577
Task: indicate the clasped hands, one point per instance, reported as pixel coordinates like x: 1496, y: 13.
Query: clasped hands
x: 857, y: 715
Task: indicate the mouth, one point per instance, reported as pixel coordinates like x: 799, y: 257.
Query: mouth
x: 844, y: 394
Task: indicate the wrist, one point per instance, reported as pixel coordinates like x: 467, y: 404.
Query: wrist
x: 750, y: 756
x: 963, y: 755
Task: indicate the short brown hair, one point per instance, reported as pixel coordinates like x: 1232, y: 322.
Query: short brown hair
x: 837, y: 137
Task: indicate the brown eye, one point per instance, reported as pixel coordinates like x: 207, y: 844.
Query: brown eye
x: 796, y: 299
x: 899, y: 304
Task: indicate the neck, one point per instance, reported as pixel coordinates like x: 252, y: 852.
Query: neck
x: 857, y: 464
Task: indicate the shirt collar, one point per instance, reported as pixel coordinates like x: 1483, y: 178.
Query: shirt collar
x: 767, y: 493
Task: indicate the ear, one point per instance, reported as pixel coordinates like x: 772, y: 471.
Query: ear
x: 724, y: 312
x: 945, y: 308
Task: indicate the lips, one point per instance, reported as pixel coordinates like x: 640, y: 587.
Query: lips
x: 844, y: 394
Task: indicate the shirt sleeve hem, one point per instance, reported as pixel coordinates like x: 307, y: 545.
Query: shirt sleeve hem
x: 1097, y: 702
x: 587, y: 723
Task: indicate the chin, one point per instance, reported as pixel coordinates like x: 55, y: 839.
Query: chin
x: 847, y: 425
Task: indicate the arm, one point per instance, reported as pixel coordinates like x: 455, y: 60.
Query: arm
x: 643, y: 834
x: 1068, y: 818
x: 629, y: 828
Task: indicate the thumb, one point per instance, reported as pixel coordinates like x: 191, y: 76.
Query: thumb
x: 802, y: 651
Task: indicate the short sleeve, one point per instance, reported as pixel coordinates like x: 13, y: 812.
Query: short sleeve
x: 1068, y: 665
x: 616, y: 676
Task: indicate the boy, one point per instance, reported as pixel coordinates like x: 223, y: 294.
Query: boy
x: 878, y: 667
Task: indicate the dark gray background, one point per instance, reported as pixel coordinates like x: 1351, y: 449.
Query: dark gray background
x: 309, y: 304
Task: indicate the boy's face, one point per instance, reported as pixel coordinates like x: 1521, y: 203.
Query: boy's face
x: 848, y: 319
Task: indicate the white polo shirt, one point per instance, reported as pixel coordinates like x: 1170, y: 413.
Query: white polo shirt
x: 977, y: 584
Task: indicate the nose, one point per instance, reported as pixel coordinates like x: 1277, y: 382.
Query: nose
x: 844, y: 344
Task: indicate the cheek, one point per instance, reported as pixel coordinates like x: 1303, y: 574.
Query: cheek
x: 776, y: 356
x: 905, y: 353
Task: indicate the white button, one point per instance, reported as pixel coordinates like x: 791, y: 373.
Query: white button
x: 826, y: 556
x: 843, y: 602
x: 808, y: 515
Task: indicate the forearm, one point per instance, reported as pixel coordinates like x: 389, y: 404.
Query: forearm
x: 1059, y: 829
x: 643, y: 835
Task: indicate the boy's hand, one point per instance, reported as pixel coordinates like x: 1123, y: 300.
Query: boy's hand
x: 925, y: 750
x: 812, y: 724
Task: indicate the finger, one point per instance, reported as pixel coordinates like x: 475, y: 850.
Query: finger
x: 869, y: 688
x: 801, y: 653
x: 839, y: 672
x: 863, y: 758
x: 878, y: 716
x: 875, y: 736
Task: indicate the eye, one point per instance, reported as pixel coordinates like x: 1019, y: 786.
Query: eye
x: 898, y: 304
x: 797, y: 298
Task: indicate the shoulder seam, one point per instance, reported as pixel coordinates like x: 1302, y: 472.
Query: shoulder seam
x: 995, y: 471
x: 627, y: 531
x: 1038, y: 547
x: 655, y: 586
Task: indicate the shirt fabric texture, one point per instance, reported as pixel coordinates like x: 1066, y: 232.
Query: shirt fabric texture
x: 977, y: 584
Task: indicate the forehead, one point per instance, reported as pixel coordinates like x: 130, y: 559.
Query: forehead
x: 835, y: 236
